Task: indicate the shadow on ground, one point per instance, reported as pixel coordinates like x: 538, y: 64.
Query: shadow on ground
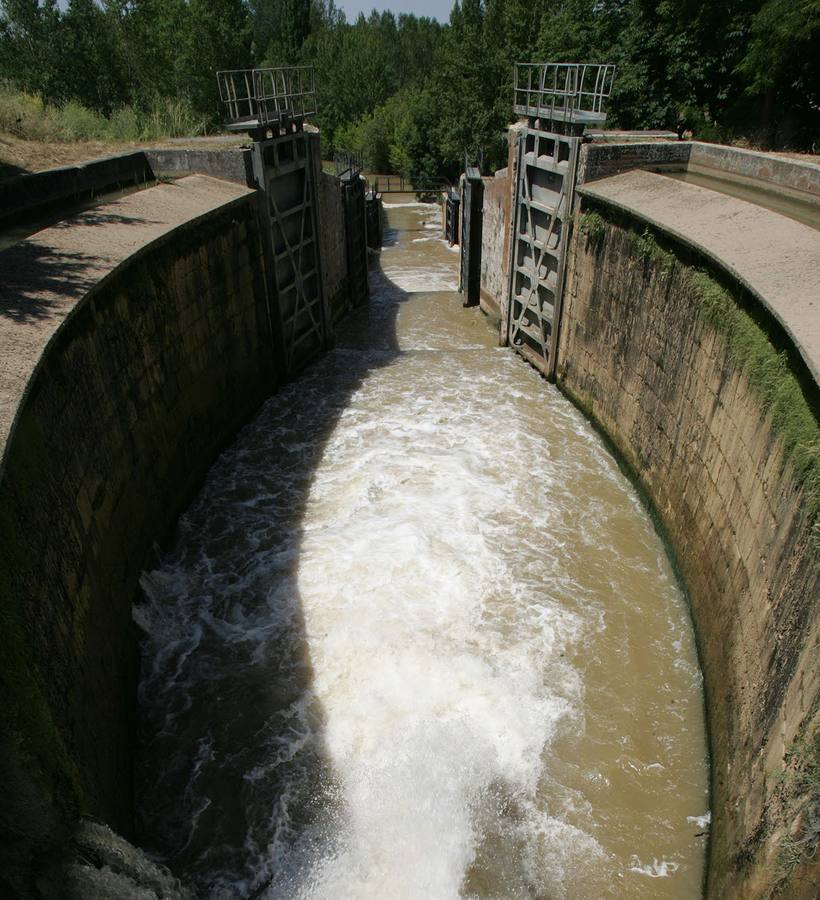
x: 37, y: 275
x: 7, y: 170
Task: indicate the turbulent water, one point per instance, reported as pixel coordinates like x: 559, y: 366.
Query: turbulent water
x: 417, y: 637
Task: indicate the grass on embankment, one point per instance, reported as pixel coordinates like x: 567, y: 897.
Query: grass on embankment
x: 36, y: 136
x: 27, y: 116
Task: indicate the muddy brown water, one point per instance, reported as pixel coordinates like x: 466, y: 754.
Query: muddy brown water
x: 418, y: 638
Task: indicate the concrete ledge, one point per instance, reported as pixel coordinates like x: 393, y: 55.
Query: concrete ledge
x: 230, y: 165
x: 31, y: 194
x: 778, y: 260
x: 774, y: 171
x: 41, y: 193
x: 44, y: 278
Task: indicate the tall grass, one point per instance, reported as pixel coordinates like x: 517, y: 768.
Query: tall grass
x: 27, y: 117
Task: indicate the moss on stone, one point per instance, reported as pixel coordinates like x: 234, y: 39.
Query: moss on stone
x: 770, y: 376
x: 769, y: 369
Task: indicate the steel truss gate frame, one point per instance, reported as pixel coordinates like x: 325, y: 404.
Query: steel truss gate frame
x: 286, y: 169
x: 545, y: 183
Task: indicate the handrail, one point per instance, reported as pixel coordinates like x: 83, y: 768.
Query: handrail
x: 398, y: 184
x: 259, y: 97
x: 568, y: 92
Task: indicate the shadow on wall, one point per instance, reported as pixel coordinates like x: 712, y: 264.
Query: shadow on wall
x: 234, y: 782
x: 7, y: 170
x: 140, y: 389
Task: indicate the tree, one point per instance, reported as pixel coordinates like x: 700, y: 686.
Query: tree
x: 279, y: 28
x: 90, y: 63
x: 782, y: 65
x: 29, y: 57
x: 217, y: 37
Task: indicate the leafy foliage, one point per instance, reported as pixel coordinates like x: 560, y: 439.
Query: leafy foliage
x: 415, y: 95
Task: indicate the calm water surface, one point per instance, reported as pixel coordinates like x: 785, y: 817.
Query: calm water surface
x: 417, y: 637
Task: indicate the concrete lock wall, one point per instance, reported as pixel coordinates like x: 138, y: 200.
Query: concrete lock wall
x: 147, y: 378
x: 333, y: 243
x: 791, y: 176
x: 602, y: 160
x: 639, y: 356
x: 495, y: 243
x: 141, y: 388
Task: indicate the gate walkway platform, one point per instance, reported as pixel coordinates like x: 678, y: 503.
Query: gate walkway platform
x: 774, y: 257
x: 45, y: 277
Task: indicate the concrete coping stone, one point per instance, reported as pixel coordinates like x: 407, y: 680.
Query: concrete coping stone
x: 39, y: 191
x: 755, y: 157
x: 774, y: 257
x: 46, y: 277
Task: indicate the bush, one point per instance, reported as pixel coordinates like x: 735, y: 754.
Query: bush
x: 20, y: 113
x: 124, y: 124
x: 171, y: 118
x: 26, y: 116
x: 75, y: 122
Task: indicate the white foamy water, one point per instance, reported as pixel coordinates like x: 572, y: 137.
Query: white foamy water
x: 373, y: 662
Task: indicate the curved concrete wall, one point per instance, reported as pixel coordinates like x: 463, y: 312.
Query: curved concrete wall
x: 663, y: 384
x: 146, y: 378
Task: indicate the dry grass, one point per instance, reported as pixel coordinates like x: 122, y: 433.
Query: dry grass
x: 19, y: 156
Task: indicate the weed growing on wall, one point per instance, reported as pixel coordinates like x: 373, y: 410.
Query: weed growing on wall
x: 769, y: 371
x: 770, y: 376
x: 593, y: 226
x: 650, y: 251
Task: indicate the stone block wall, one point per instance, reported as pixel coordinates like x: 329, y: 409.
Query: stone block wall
x: 333, y: 246
x: 495, y: 244
x: 147, y: 380
x: 603, y: 160
x: 661, y: 383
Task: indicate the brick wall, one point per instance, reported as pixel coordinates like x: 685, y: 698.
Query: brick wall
x: 635, y: 355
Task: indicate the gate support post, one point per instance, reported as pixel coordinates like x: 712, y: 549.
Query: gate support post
x: 353, y: 203
x: 472, y: 213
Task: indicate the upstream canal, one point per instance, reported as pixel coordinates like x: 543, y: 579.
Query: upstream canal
x: 417, y: 636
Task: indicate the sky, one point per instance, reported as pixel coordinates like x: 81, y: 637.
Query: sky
x: 436, y: 9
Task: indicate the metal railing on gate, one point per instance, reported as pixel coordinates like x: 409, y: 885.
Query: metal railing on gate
x: 563, y: 92
x: 398, y: 184
x: 256, y: 98
x: 348, y: 163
